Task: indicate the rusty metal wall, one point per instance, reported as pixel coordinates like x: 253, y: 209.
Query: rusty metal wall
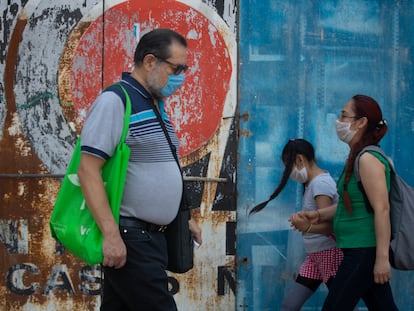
x: 55, y: 57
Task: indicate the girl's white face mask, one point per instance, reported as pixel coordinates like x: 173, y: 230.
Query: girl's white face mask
x: 300, y: 176
x: 344, y: 132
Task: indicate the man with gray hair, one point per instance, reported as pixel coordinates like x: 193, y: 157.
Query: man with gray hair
x: 135, y: 252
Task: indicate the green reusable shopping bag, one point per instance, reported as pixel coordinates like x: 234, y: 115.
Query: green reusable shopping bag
x: 71, y: 221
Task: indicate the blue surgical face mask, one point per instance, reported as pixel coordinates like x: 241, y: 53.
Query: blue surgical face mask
x: 174, y: 82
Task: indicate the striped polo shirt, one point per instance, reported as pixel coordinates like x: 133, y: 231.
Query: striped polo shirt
x: 153, y: 185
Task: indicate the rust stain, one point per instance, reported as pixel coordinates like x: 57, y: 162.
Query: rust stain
x: 245, y: 116
x: 244, y: 133
x: 13, y: 141
x: 64, y: 73
x: 245, y: 261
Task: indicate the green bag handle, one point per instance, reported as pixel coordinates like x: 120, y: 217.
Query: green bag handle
x: 127, y: 113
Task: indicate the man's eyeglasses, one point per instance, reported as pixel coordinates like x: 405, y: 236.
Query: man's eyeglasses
x: 178, y: 68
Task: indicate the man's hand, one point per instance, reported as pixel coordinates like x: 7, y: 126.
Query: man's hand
x: 114, y: 251
x: 195, y: 231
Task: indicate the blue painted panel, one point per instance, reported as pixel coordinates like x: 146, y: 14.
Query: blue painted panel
x: 300, y: 62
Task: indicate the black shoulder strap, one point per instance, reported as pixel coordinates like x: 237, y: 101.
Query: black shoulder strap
x: 184, y: 197
x: 161, y: 121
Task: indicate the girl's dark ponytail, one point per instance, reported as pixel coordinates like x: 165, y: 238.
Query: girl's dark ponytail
x: 288, y: 157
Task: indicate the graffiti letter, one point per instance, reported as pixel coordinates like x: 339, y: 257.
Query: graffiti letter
x: 14, y: 235
x: 15, y: 276
x: 91, y: 277
x: 225, y: 273
x: 59, y: 271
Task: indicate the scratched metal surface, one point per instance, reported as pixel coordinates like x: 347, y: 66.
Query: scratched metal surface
x: 55, y: 57
x: 300, y: 62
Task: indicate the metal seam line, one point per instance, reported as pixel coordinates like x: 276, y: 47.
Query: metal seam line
x: 186, y: 178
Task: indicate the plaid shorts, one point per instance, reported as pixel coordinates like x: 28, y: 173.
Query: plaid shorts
x: 322, y: 265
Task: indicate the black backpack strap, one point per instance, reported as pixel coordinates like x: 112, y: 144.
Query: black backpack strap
x: 374, y: 148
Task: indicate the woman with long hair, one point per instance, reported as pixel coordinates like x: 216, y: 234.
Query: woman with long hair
x: 361, y: 220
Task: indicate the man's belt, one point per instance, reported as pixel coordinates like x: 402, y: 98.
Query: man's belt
x: 140, y: 224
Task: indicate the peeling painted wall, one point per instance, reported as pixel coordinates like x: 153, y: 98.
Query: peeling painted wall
x: 55, y: 57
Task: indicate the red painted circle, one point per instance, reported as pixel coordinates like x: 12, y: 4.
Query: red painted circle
x: 196, y: 109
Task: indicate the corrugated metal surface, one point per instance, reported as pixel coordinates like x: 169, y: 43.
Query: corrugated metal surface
x: 300, y: 62
x: 56, y: 56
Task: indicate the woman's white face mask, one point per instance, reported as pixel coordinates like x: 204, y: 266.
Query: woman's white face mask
x: 300, y: 176
x: 344, y: 132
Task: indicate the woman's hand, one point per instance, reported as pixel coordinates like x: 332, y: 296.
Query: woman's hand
x: 320, y: 215
x: 310, y: 222
x: 313, y: 217
x: 382, y: 271
x: 299, y: 221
